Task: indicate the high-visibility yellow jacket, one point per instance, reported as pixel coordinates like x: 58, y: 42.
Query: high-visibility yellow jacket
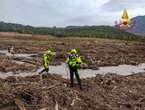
x: 74, y: 61
x: 46, y: 59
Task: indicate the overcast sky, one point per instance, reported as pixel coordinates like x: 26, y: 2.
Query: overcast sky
x: 68, y: 12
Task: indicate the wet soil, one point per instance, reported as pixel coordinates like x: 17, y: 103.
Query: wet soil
x: 94, y: 52
x: 52, y: 92
x: 103, y: 92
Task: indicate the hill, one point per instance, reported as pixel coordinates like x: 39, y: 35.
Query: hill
x: 139, y: 25
x: 71, y: 31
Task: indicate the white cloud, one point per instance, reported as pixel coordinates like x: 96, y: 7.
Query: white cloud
x: 118, y: 5
x: 67, y: 12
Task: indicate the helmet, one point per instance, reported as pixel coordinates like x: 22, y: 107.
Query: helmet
x: 73, y: 51
x: 49, y: 52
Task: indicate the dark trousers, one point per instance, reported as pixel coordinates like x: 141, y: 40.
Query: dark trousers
x: 45, y: 69
x: 72, y: 72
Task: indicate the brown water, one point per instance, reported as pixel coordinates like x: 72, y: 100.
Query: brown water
x: 84, y: 73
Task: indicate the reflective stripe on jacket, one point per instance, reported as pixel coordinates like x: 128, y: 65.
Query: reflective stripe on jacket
x: 74, y: 61
x: 46, y: 60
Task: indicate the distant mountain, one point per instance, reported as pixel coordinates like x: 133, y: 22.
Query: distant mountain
x: 71, y: 31
x: 139, y: 25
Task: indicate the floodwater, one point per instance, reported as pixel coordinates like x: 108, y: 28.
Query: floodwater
x: 84, y: 73
x: 21, y: 55
x: 17, y: 55
x: 88, y: 73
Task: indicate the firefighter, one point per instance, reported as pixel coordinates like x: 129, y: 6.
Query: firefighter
x: 46, y: 60
x: 74, y: 61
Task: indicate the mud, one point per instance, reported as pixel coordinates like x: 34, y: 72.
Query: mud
x: 84, y: 73
x: 52, y: 92
x: 103, y: 92
x: 94, y: 52
x: 10, y: 65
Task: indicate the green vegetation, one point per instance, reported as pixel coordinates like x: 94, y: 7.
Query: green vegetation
x: 72, y: 31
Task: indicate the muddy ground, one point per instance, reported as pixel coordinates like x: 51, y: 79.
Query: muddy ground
x: 52, y: 92
x: 109, y: 92
x: 94, y: 52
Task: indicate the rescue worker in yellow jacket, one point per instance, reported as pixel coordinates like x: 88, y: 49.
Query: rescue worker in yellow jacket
x: 46, y: 60
x: 74, y: 61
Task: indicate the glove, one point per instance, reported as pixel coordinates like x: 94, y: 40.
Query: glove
x: 77, y: 65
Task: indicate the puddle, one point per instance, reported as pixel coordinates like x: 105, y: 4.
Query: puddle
x: 23, y: 74
x: 84, y: 73
x: 53, y: 53
x: 5, y: 75
x: 17, y: 55
x: 18, y: 62
x: 88, y: 73
x: 22, y: 55
x: 122, y: 69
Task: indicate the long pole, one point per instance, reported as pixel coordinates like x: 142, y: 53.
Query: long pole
x: 66, y: 69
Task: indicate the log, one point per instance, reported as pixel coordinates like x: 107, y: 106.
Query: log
x: 20, y: 104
